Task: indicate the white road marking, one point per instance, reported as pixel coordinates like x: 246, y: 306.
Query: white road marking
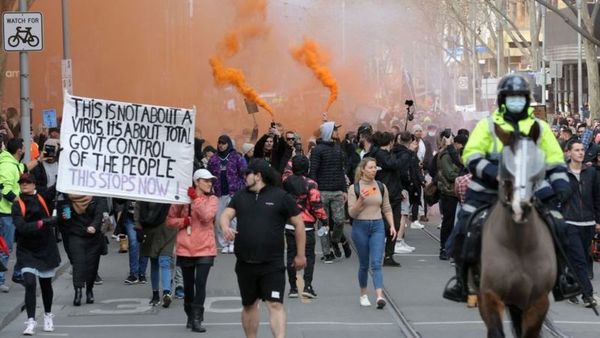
x: 221, y: 324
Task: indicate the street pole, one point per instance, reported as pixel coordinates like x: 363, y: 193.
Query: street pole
x: 25, y: 99
x: 344, y: 32
x: 500, y: 43
x: 67, y: 74
x: 544, y: 55
x: 579, y: 65
x: 474, y: 59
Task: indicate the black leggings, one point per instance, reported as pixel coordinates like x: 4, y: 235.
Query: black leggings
x: 30, y: 298
x: 195, y: 277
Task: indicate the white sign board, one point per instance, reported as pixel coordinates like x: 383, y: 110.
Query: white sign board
x: 126, y: 150
x: 556, y: 69
x: 22, y: 31
x: 67, y: 75
x: 463, y: 83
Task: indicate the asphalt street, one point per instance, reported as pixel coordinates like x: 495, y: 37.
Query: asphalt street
x: 415, y: 290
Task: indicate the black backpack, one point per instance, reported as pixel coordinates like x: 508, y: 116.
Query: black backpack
x: 379, y: 184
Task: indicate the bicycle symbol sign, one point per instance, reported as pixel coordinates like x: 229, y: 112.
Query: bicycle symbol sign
x: 22, y: 31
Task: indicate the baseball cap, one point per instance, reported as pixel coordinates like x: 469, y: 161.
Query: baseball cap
x: 26, y: 178
x: 258, y: 165
x: 246, y: 147
x: 203, y: 174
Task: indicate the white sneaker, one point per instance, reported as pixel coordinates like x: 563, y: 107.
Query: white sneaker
x: 364, y: 300
x: 416, y: 225
x: 48, y: 322
x: 401, y: 249
x: 30, y: 328
x: 4, y: 288
x: 439, y: 226
x: 225, y: 249
x: 411, y: 248
x: 231, y: 249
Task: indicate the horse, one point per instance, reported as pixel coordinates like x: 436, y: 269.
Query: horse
x: 518, y: 262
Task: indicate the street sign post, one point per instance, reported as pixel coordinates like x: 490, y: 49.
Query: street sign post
x: 22, y: 31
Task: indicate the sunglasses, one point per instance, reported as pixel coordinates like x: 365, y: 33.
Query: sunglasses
x: 291, y: 138
x: 220, y: 142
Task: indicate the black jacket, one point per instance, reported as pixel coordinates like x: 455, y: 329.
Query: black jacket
x: 410, y: 174
x: 280, y: 155
x: 36, y: 248
x: 92, y: 216
x: 327, y: 166
x: 584, y: 202
x: 390, y: 172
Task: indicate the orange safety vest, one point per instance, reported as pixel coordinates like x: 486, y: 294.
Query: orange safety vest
x: 42, y: 202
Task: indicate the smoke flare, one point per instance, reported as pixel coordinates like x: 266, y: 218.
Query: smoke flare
x: 248, y: 12
x: 312, y: 56
x: 224, y: 75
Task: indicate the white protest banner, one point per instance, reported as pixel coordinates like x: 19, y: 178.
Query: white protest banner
x: 127, y: 150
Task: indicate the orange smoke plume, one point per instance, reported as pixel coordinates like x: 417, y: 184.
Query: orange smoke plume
x: 224, y: 75
x: 251, y: 16
x: 312, y: 56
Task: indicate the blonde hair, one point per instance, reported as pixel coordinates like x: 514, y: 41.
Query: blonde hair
x: 361, y: 166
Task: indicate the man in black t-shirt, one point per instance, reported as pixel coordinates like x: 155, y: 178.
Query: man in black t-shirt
x: 262, y: 210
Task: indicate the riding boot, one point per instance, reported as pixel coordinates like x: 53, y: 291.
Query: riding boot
x: 77, y: 298
x: 89, y: 293
x: 566, y: 285
x: 187, y: 307
x: 197, y: 318
x: 457, y: 292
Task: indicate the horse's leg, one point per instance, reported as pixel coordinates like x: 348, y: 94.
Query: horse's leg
x: 516, y: 317
x: 491, y: 309
x: 533, y: 317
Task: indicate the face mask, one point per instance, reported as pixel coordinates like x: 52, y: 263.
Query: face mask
x: 515, y: 104
x: 431, y: 133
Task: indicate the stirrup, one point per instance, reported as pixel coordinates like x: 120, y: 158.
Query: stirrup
x: 455, y: 293
x: 565, y: 288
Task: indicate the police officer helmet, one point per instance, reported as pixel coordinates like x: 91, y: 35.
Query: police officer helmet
x: 517, y: 88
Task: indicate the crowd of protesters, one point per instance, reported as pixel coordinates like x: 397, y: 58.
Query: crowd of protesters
x: 381, y: 181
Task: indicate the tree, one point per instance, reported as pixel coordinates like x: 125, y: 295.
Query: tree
x: 589, y: 43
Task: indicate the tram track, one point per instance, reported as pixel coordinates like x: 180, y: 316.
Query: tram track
x: 549, y: 325
x: 404, y: 324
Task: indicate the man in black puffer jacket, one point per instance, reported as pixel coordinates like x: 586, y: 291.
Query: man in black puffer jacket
x: 327, y: 169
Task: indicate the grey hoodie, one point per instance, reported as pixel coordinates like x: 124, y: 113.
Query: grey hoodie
x: 327, y: 130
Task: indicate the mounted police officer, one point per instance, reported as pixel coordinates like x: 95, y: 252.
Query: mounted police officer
x: 481, y: 156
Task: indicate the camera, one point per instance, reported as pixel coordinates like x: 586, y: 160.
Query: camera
x: 409, y: 103
x: 50, y: 150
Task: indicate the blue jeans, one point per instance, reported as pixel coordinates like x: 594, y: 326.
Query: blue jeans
x: 137, y: 263
x: 7, y: 230
x: 160, y: 265
x: 369, y: 238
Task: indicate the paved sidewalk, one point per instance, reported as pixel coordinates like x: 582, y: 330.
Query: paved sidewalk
x: 12, y: 302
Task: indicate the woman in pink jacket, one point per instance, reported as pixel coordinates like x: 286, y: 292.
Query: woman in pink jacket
x: 195, y: 245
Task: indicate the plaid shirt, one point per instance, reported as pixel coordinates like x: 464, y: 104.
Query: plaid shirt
x: 586, y: 138
x: 461, y: 184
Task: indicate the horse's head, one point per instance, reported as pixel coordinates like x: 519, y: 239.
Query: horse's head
x: 521, y: 167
